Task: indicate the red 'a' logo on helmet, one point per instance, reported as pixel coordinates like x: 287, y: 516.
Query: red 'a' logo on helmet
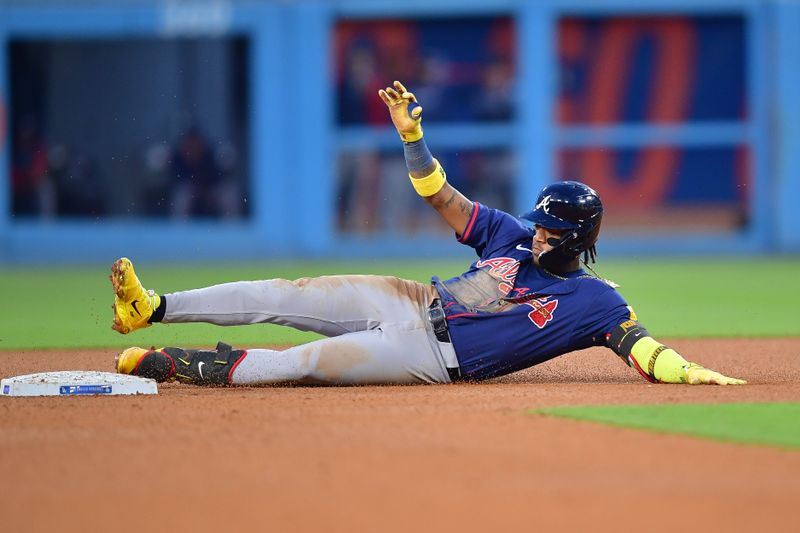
x: 542, y: 311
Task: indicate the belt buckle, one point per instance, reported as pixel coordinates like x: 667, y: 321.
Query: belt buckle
x: 435, y: 314
x: 439, y: 323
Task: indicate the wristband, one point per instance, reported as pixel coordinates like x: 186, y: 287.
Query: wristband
x: 411, y: 136
x: 430, y: 184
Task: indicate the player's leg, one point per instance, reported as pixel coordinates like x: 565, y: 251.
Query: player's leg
x: 402, y: 354
x: 329, y: 305
x: 386, y: 355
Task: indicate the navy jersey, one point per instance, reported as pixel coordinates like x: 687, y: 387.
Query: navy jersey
x: 506, y: 314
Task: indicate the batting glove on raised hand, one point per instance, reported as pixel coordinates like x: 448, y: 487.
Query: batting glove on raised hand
x: 406, y: 113
x: 697, y: 375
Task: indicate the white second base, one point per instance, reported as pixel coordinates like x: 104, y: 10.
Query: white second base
x: 76, y: 383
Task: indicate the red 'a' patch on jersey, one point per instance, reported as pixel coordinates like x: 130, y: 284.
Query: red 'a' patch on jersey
x: 542, y: 311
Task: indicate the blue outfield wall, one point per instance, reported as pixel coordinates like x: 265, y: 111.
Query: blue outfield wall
x: 786, y: 19
x: 294, y: 138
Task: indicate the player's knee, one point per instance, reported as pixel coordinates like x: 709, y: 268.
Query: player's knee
x: 301, y: 282
x: 310, y: 369
x: 288, y: 287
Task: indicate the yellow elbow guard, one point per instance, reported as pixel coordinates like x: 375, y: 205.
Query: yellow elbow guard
x: 430, y: 184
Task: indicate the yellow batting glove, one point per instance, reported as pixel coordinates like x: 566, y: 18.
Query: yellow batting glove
x: 697, y: 375
x: 406, y: 113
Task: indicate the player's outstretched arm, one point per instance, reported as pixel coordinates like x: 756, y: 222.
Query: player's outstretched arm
x: 656, y: 362
x: 427, y: 175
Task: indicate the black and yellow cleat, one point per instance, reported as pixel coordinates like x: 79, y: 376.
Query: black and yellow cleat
x: 198, y: 367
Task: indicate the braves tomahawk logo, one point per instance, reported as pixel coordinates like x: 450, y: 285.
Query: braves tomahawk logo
x: 542, y: 311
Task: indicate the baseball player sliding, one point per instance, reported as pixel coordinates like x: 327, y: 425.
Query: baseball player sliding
x: 525, y: 300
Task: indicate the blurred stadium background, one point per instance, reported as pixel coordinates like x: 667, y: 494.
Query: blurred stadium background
x: 225, y: 130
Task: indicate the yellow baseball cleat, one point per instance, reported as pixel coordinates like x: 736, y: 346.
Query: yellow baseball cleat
x: 133, y: 305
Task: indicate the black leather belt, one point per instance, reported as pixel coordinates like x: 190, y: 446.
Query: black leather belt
x: 439, y: 325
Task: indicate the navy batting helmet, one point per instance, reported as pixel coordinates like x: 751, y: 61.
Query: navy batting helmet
x: 572, y: 206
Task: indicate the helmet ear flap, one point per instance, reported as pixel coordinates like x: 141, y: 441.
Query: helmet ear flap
x: 570, y: 246
x: 563, y: 251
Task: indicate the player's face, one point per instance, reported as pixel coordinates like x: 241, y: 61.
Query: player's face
x: 541, y: 238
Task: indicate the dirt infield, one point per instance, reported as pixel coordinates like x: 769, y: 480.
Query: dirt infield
x: 444, y: 458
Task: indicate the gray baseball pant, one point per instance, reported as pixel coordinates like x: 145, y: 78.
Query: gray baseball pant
x: 378, y: 329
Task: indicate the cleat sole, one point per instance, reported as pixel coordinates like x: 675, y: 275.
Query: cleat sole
x: 118, y: 274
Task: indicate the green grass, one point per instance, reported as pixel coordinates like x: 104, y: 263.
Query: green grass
x: 712, y: 298
x: 62, y: 307
x: 774, y: 424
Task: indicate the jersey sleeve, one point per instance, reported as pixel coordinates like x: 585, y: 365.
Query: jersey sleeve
x: 489, y: 230
x: 608, y: 310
